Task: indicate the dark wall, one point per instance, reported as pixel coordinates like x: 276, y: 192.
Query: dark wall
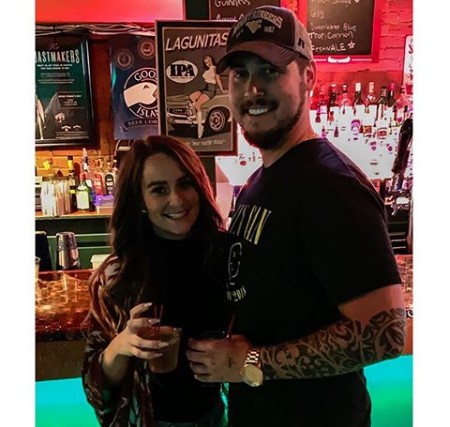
x: 196, y: 9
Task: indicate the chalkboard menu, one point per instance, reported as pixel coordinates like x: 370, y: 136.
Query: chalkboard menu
x: 235, y: 9
x: 343, y: 29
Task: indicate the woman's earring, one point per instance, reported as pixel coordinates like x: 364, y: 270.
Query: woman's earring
x: 143, y: 211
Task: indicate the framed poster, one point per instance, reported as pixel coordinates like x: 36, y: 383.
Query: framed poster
x: 134, y: 86
x: 193, y: 98
x: 63, y: 92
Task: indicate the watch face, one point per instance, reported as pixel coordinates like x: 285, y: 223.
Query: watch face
x: 252, y: 375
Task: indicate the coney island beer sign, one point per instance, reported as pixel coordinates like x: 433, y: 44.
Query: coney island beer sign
x: 134, y: 86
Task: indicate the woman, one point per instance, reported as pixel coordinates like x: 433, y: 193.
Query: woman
x: 168, y: 251
x: 199, y: 97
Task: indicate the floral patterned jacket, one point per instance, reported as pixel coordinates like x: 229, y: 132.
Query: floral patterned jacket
x: 129, y: 405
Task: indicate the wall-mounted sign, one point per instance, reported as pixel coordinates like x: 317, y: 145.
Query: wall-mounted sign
x: 343, y: 31
x: 235, y: 9
x: 408, y: 70
x: 63, y: 92
x: 134, y: 86
x: 193, y: 99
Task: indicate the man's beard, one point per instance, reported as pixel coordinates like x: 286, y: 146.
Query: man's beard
x: 276, y: 137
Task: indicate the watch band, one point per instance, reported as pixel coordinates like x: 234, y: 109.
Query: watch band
x: 252, y: 373
x: 253, y: 357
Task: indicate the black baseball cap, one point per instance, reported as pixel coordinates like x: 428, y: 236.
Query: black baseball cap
x: 273, y: 33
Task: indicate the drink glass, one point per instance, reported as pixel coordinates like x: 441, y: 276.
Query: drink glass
x: 169, y: 355
x: 214, y: 334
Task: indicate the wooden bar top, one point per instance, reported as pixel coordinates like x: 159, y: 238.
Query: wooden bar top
x: 62, y: 301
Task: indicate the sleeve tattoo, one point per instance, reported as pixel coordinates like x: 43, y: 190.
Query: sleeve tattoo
x: 342, y: 347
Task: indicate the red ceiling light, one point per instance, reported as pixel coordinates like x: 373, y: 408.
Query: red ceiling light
x: 98, y: 11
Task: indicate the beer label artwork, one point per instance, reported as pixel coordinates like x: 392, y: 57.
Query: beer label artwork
x: 134, y: 86
x: 62, y: 99
x: 193, y: 98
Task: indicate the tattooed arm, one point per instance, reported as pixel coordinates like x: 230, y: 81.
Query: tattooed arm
x: 372, y: 330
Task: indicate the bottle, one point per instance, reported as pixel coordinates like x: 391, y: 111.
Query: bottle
x: 403, y: 106
x: 390, y: 106
x: 84, y: 197
x: 322, y: 106
x: 371, y: 101
x: 358, y: 103
x: 402, y: 154
x: 382, y: 103
x: 332, y: 101
x: 86, y: 175
x: 333, y: 109
x: 391, y: 95
x: 110, y: 179
x: 346, y: 100
x: 99, y: 178
x: 345, y: 112
x: 73, y: 184
x: 84, y: 164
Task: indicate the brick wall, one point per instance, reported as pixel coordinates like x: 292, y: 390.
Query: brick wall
x: 396, y: 24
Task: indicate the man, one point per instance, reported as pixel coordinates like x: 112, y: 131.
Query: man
x: 314, y: 279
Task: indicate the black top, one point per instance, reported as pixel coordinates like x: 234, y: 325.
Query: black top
x: 194, y: 302
x: 314, y: 236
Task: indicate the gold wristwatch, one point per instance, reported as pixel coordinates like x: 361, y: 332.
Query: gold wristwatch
x: 252, y: 373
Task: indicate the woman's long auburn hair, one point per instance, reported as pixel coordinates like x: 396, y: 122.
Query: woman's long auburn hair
x: 132, y: 235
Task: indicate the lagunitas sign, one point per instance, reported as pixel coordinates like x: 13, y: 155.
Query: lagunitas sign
x: 235, y: 9
x: 193, y: 99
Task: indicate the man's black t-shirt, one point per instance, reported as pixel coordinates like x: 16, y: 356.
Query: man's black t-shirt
x: 312, y: 235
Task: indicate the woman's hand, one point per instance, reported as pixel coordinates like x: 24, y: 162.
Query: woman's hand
x: 131, y: 342
x: 135, y: 339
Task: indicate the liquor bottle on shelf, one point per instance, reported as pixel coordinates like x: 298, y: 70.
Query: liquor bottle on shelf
x: 110, y: 179
x: 99, y: 178
x: 87, y: 175
x: 382, y: 103
x: 371, y: 102
x: 345, y: 112
x: 332, y: 101
x: 322, y: 105
x: 390, y: 106
x: 336, y: 131
x: 403, y: 106
x: 391, y: 95
x: 84, y: 197
x: 346, y: 100
x: 370, y: 111
x: 333, y: 109
x: 73, y: 184
x: 358, y: 103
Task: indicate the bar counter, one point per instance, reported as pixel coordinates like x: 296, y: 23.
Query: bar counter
x: 62, y: 303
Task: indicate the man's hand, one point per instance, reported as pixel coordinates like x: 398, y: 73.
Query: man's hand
x: 218, y: 360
